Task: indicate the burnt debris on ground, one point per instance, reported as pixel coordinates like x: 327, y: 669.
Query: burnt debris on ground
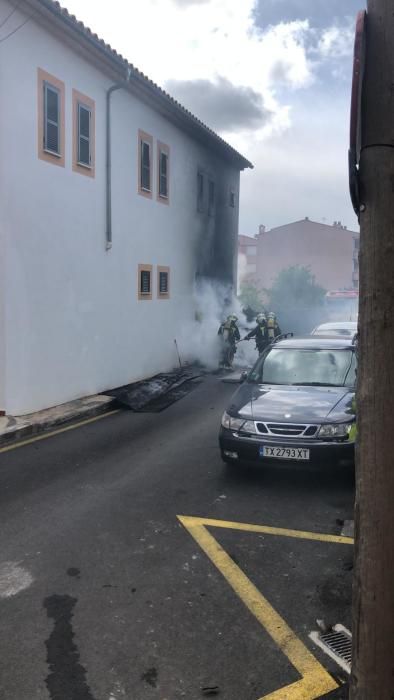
x: 159, y: 392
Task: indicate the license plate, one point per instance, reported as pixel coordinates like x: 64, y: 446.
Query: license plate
x: 296, y: 453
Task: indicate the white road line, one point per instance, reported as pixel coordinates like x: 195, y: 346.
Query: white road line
x: 13, y: 579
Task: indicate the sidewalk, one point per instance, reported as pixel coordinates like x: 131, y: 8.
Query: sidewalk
x: 17, y: 428
x: 138, y: 396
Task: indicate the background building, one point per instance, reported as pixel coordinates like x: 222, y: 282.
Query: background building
x: 331, y: 252
x: 94, y: 285
x: 247, y: 258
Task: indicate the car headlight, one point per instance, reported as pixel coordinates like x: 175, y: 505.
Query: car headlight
x: 249, y: 427
x: 238, y: 424
x: 335, y: 430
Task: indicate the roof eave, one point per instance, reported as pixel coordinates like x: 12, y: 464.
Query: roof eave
x: 136, y: 82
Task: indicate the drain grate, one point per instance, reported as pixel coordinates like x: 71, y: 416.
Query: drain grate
x: 340, y: 644
x: 337, y: 643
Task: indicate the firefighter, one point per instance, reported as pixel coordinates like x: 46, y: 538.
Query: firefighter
x: 229, y: 334
x: 353, y: 429
x: 272, y: 327
x: 260, y: 333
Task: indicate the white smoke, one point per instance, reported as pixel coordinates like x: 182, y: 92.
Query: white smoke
x: 198, y: 341
x: 242, y: 269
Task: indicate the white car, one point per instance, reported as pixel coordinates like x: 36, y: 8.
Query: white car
x: 336, y: 329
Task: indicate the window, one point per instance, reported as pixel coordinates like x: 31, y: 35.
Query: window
x: 251, y: 268
x: 232, y: 198
x: 145, y: 166
x: 84, y: 120
x: 145, y: 147
x: 211, y: 198
x: 51, y: 119
x: 251, y: 250
x: 50, y: 93
x: 163, y: 172
x: 200, y: 191
x: 145, y: 281
x: 163, y: 182
x: 301, y: 367
x: 163, y: 282
x: 83, y: 134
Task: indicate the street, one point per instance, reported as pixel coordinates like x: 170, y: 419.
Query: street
x: 105, y: 593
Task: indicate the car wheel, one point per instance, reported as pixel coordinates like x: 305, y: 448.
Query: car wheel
x: 227, y: 460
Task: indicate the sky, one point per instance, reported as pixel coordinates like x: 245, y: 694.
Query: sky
x: 272, y: 77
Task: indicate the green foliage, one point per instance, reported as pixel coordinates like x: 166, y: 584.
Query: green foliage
x: 295, y: 286
x: 297, y: 300
x: 250, y: 297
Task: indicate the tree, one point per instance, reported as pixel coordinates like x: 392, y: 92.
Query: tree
x: 296, y: 299
x: 296, y: 284
x: 373, y: 603
x: 251, y: 299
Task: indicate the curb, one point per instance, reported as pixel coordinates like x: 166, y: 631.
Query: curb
x: 35, y: 429
x: 81, y: 413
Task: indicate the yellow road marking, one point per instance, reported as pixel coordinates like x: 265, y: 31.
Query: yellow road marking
x: 282, y: 532
x: 52, y: 433
x: 315, y: 680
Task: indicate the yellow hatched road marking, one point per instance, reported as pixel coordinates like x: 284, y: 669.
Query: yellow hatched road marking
x: 52, y: 433
x: 315, y: 680
x: 282, y: 532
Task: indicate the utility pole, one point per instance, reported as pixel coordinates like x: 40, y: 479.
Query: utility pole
x: 373, y: 600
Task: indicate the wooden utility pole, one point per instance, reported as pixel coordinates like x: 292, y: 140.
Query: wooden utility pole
x: 373, y: 606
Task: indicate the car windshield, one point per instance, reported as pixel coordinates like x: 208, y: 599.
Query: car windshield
x: 335, y: 332
x: 303, y: 367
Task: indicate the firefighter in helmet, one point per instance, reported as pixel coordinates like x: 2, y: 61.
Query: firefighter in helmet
x: 260, y: 333
x: 229, y: 335
x: 273, y: 329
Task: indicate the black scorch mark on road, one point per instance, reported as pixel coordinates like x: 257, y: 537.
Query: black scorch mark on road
x: 150, y: 676
x: 73, y: 572
x: 67, y: 677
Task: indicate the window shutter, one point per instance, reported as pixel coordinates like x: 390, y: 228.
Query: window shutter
x: 211, y: 197
x: 51, y: 119
x: 145, y: 166
x: 163, y: 184
x: 200, y: 191
x: 163, y: 283
x: 145, y: 282
x: 84, y: 129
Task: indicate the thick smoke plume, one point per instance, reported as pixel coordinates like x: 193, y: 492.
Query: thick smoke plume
x: 198, y: 340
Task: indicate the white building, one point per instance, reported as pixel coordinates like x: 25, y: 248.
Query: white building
x: 97, y: 272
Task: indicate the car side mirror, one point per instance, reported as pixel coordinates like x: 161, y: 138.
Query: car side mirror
x: 243, y: 377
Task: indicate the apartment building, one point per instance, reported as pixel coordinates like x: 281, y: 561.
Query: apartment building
x: 330, y: 251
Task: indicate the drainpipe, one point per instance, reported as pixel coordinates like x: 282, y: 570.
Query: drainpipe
x: 117, y: 86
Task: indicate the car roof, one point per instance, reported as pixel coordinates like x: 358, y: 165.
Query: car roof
x: 315, y: 342
x: 337, y: 324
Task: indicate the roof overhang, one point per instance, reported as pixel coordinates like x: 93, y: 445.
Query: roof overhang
x: 60, y: 22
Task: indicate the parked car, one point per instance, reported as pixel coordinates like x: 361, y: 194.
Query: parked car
x: 295, y: 404
x: 337, y: 329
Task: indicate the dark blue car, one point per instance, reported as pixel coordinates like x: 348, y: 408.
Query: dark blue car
x: 296, y: 404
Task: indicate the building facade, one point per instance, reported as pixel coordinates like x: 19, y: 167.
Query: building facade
x: 114, y: 200
x: 331, y: 253
x: 247, y: 258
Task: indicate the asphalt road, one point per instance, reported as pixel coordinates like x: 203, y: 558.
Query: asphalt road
x: 105, y: 594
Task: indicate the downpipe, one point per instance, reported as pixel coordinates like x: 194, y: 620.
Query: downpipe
x: 110, y: 91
